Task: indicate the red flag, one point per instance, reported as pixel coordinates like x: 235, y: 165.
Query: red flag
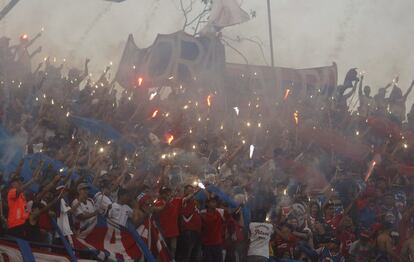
x: 117, y: 244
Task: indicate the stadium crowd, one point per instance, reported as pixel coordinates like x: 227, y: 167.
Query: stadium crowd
x: 306, y: 201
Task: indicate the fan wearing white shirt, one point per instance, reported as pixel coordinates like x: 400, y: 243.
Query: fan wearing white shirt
x: 103, y: 201
x: 121, y: 211
x: 85, y: 212
x: 63, y: 211
x: 260, y: 234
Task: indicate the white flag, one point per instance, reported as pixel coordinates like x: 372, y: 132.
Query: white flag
x: 225, y: 13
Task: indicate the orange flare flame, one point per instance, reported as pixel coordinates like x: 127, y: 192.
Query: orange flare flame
x: 170, y: 139
x: 155, y: 113
x: 287, y: 93
x: 209, y: 100
x: 371, y: 168
x: 296, y: 117
x: 140, y: 81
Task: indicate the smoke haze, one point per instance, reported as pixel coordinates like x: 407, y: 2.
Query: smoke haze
x: 374, y: 35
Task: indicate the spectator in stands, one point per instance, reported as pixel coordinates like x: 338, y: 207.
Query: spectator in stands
x: 84, y: 211
x: 120, y: 211
x: 260, y: 234
x: 17, y: 205
x: 190, y: 228
x: 168, y: 215
x: 212, y: 233
x: 366, y: 102
x: 330, y: 252
x: 362, y: 250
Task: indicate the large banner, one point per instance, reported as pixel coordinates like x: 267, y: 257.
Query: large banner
x: 200, y: 62
x: 178, y: 57
x: 274, y: 81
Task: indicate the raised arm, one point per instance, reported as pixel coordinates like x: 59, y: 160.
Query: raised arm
x: 37, y: 51
x: 409, y: 90
x: 85, y: 72
x: 119, y: 179
x: 103, y: 76
x: 388, y: 86
x: 47, y: 188
x: 360, y: 87
x: 163, y: 180
x: 86, y: 69
x: 34, y: 178
x: 46, y: 208
x: 31, y: 42
x: 190, y: 196
x: 38, y: 68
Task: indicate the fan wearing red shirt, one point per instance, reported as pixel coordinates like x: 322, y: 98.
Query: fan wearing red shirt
x: 345, y: 234
x: 284, y: 242
x: 190, y: 224
x: 330, y: 217
x: 168, y: 217
x: 212, y: 231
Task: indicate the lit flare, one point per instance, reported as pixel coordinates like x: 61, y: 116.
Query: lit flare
x: 251, y: 151
x: 155, y: 113
x: 209, y: 97
x: 140, y: 81
x: 296, y: 117
x: 170, y: 139
x: 287, y: 93
x: 370, y: 170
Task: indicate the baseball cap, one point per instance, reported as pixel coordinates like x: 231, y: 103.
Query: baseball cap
x: 83, y: 186
x: 60, y: 187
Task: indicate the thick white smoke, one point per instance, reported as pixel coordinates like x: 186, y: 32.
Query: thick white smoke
x: 375, y: 35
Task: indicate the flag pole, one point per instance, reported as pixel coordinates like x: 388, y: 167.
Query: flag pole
x: 269, y: 16
x: 8, y: 8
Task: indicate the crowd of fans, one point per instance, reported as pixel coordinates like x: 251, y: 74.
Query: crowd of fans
x: 364, y: 210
